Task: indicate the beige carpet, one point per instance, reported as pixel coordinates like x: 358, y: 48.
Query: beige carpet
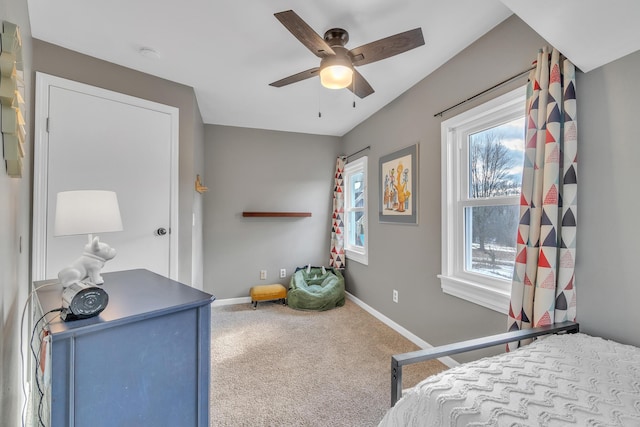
x: 276, y: 366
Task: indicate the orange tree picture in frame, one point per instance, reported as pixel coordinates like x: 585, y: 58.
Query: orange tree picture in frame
x: 399, y: 186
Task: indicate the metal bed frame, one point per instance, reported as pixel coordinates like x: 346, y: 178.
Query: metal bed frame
x: 400, y: 360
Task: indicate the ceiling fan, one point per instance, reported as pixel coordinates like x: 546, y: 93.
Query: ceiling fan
x: 337, y: 63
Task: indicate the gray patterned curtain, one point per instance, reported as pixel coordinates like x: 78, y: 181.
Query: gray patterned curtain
x: 543, y: 289
x: 337, y: 258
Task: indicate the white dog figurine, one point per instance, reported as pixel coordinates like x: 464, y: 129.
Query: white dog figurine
x: 89, y: 264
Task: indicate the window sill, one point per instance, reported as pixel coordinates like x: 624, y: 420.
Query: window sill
x: 486, y: 296
x: 357, y: 257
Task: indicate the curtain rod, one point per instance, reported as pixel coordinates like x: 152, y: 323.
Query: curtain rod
x: 504, y: 82
x: 368, y: 147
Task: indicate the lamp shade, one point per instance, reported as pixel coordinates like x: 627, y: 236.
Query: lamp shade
x: 86, y: 212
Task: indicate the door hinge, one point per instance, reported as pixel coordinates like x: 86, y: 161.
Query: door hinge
x: 47, y: 124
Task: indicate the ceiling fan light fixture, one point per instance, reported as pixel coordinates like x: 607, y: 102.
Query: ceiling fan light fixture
x: 336, y: 76
x: 336, y: 61
x: 336, y: 72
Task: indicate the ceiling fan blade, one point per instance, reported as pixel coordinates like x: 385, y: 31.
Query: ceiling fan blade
x: 307, y: 74
x: 387, y: 47
x: 303, y: 32
x: 360, y: 85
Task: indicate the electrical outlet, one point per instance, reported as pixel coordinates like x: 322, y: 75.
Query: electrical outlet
x: 395, y: 296
x: 263, y: 274
x: 283, y: 273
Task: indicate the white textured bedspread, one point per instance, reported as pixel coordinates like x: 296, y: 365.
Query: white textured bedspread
x: 567, y: 380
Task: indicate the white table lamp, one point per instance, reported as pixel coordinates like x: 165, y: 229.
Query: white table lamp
x: 87, y: 212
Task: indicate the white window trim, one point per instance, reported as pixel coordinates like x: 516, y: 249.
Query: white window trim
x: 357, y: 253
x: 492, y: 293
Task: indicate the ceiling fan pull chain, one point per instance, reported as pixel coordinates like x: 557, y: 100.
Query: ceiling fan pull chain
x: 353, y: 91
x: 319, y: 103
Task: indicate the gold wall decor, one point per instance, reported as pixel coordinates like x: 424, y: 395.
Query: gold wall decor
x: 200, y: 188
x: 12, y: 98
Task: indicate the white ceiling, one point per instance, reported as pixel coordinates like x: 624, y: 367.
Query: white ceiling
x: 590, y: 33
x: 230, y: 51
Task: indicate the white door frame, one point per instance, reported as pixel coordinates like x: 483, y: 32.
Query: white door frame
x: 40, y: 159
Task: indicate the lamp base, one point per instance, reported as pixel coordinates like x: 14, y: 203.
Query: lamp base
x: 88, y: 266
x: 82, y: 300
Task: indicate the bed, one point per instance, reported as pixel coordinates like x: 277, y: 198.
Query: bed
x: 563, y: 378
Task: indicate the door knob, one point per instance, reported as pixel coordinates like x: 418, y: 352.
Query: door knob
x: 161, y: 231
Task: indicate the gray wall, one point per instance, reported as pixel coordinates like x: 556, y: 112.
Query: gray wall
x: 260, y: 170
x: 608, y: 203
x: 15, y: 223
x: 61, y: 62
x: 408, y: 258
x: 197, y: 244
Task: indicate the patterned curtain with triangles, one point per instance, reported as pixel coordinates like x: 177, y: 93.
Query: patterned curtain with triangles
x: 543, y: 289
x: 337, y: 259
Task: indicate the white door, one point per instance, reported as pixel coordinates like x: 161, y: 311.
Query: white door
x: 94, y: 139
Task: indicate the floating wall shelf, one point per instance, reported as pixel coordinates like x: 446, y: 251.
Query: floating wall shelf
x: 276, y: 214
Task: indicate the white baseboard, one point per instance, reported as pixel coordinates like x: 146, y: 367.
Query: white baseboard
x: 231, y: 301
x: 399, y: 329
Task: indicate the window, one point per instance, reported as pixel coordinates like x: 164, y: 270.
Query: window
x: 482, y: 155
x: 355, y: 210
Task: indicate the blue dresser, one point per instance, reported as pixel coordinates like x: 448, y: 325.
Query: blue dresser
x: 143, y: 361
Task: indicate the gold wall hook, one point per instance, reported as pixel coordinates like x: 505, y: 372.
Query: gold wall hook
x: 199, y: 187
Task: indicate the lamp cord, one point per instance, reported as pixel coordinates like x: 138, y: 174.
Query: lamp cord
x: 22, y: 358
x: 37, y: 361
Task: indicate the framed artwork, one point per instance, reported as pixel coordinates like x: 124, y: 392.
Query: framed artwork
x: 399, y: 186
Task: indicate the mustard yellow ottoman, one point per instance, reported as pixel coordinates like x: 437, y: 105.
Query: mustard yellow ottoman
x: 268, y: 293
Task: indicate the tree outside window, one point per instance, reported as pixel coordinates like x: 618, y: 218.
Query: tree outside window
x: 494, y: 170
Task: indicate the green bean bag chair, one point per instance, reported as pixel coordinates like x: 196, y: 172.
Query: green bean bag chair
x: 316, y: 288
